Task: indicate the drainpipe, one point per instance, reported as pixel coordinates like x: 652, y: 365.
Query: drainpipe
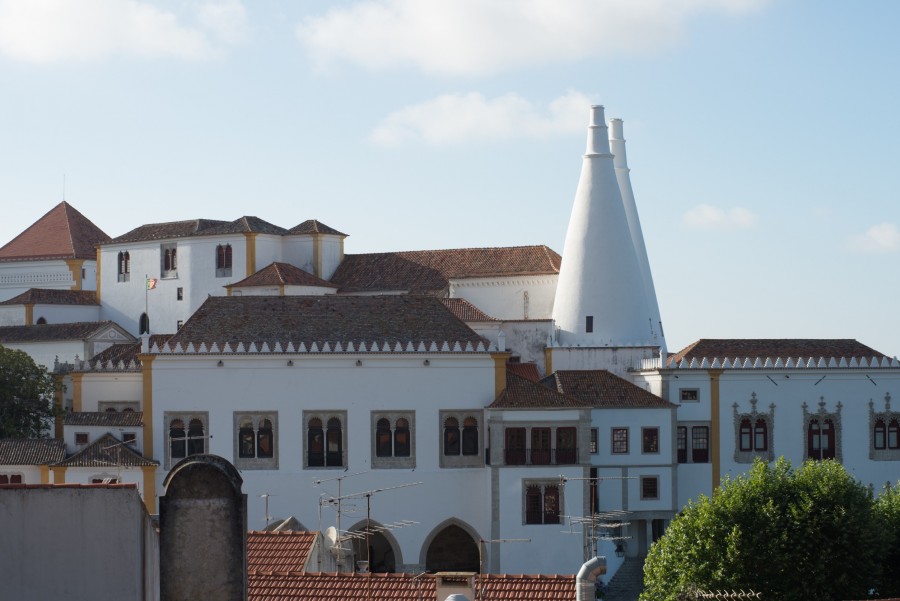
x: 587, y: 576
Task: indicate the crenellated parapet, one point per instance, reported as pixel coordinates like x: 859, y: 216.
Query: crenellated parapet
x: 321, y: 347
x: 772, y: 363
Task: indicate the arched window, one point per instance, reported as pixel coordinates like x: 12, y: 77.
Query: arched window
x: 41, y: 321
x: 541, y: 503
x: 401, y: 438
x: 451, y: 436
x: 760, y: 435
x: 177, y: 448
x: 110, y: 409
x: 821, y: 440
x: 893, y: 438
x: 383, y: 438
x: 880, y: 434
x: 246, y: 439
x: 196, y: 438
x: 334, y: 454
x: 144, y: 324
x: 470, y: 436
x: 265, y: 440
x: 315, y: 443
x: 223, y: 260
x: 745, y: 435
x: 123, y: 267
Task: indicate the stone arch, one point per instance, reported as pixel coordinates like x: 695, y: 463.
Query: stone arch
x: 452, y: 546
x: 386, y: 555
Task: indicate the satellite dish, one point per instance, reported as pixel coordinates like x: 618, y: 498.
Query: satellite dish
x: 331, y: 536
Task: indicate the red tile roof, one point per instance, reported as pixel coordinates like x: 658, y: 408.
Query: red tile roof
x: 429, y: 271
x: 529, y: 371
x: 109, y: 419
x: 198, y: 227
x: 600, y: 388
x: 281, y: 274
x: 269, y: 552
x: 107, y: 451
x: 62, y: 233
x: 52, y: 296
x: 31, y: 451
x: 50, y: 332
x: 525, y: 394
x: 296, y: 586
x: 126, y: 353
x: 774, y: 348
x: 311, y: 226
x: 465, y: 310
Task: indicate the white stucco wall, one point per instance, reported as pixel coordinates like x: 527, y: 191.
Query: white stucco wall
x: 18, y: 276
x: 67, y: 313
x: 13, y: 315
x: 520, y: 297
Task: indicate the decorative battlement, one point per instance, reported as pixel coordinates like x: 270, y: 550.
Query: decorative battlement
x: 321, y: 347
x: 772, y: 363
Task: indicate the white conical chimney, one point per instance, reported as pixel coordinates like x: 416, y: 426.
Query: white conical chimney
x: 620, y: 161
x: 600, y: 299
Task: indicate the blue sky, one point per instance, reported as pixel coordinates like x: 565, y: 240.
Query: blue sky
x: 761, y: 134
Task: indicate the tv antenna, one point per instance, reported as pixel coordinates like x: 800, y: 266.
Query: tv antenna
x: 600, y: 525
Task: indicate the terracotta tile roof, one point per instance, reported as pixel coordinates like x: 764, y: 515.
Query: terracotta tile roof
x: 278, y: 551
x: 600, y: 388
x: 311, y: 226
x: 62, y: 233
x: 70, y: 485
x: 308, y: 319
x: 774, y: 348
x: 107, y: 451
x: 429, y: 271
x: 465, y: 310
x: 278, y: 274
x: 198, y: 227
x: 296, y: 586
x: 525, y: 394
x: 109, y: 419
x: 50, y: 296
x: 529, y: 371
x: 50, y: 332
x: 126, y: 353
x: 31, y: 451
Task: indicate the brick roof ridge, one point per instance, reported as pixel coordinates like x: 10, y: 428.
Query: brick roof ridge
x: 96, y: 455
x: 31, y: 451
x: 314, y: 226
x: 63, y: 232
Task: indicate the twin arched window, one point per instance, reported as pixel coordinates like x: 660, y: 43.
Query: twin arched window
x: 256, y: 440
x: 754, y: 436
x: 820, y: 439
x: 184, y: 442
x: 223, y: 260
x: 542, y: 504
x: 324, y: 446
x: 468, y: 437
x: 123, y: 268
x: 887, y: 437
x: 392, y: 443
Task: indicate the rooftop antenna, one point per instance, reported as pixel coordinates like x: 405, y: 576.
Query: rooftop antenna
x: 268, y: 518
x: 339, y: 480
x: 599, y: 525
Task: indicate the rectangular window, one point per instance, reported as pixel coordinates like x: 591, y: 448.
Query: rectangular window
x: 81, y: 438
x: 681, y: 444
x: 589, y: 324
x: 515, y: 446
x: 179, y: 293
x: 700, y: 444
x: 566, y: 448
x: 619, y: 441
x: 178, y: 324
x: 129, y: 438
x: 595, y: 440
x: 649, y: 487
x: 650, y: 440
x: 689, y: 395
x: 540, y: 446
x: 542, y: 503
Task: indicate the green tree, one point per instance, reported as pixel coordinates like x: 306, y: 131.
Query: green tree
x: 887, y: 505
x: 26, y: 396
x: 794, y: 535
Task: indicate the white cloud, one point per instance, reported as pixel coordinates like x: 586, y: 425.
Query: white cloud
x: 881, y: 238
x: 45, y: 31
x: 478, y: 36
x: 455, y: 118
x: 709, y: 217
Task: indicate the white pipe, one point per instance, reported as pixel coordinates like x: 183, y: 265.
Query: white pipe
x: 587, y: 576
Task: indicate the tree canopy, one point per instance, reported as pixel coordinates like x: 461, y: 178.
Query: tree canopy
x: 888, y: 508
x: 26, y: 396
x: 794, y: 535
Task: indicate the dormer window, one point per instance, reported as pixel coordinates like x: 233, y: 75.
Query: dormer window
x: 168, y: 261
x: 223, y: 261
x: 123, y: 269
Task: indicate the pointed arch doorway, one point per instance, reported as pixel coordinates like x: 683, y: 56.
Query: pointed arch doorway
x: 452, y: 547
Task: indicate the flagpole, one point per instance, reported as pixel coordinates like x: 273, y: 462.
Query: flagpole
x: 146, y: 301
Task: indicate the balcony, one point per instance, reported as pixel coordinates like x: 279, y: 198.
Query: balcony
x: 519, y: 456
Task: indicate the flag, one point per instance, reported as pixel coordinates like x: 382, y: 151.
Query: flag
x: 151, y: 283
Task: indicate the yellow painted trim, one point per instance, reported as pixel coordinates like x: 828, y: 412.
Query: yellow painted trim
x: 147, y: 403
x: 251, y: 253
x: 228, y: 291
x: 75, y: 266
x: 280, y: 289
x: 317, y: 254
x: 150, y: 488
x: 29, y: 314
x: 500, y: 360
x: 548, y: 360
x: 714, y: 434
x: 77, y: 379
x: 58, y: 401
x: 59, y: 475
x: 98, y: 275
x: 45, y: 474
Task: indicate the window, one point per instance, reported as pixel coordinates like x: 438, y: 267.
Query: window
x: 460, y: 444
x: 542, y: 503
x: 752, y: 433
x: 700, y: 444
x: 566, y: 449
x: 760, y: 435
x: 689, y: 395
x: 144, y: 324
x: 619, y: 441
x: 325, y: 438
x: 540, y: 446
x: 595, y: 441
x: 470, y: 436
x: 893, y: 437
x: 168, y: 261
x: 880, y: 432
x: 255, y: 440
x: 649, y: 487
x: 223, y: 260
x: 393, y: 446
x: 515, y: 446
x: 681, y: 444
x: 650, y: 440
x: 129, y: 438
x: 81, y: 438
x: 451, y: 436
x: 884, y: 428
x: 820, y: 439
x: 10, y: 478
x: 179, y: 293
x: 123, y: 269
x: 589, y: 324
x: 187, y: 435
x: 746, y: 435
x: 104, y: 480
x: 41, y: 321
x: 178, y: 324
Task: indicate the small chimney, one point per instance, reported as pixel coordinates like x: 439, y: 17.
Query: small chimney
x: 145, y: 343
x: 454, y: 586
